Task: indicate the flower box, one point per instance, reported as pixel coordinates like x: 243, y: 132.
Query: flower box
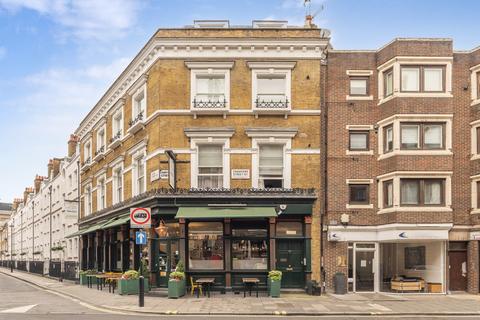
x: 176, y: 288
x: 131, y: 286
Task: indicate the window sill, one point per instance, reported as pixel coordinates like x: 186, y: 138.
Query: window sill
x: 136, y: 127
x: 475, y: 102
x: 415, y: 209
x: 415, y: 153
x: 116, y: 143
x: 359, y: 206
x: 209, y: 111
x: 359, y: 98
x: 359, y: 153
x: 416, y: 95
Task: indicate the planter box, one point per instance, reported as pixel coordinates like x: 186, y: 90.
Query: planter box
x: 176, y: 289
x: 83, y: 280
x: 274, y: 288
x: 131, y: 286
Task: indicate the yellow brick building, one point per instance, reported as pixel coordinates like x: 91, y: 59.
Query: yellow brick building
x: 238, y: 111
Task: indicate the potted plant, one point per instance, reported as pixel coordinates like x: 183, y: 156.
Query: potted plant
x: 83, y: 276
x: 176, y: 282
x: 274, y: 283
x: 128, y: 283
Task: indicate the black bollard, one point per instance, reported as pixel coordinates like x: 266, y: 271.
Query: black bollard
x: 11, y: 266
x: 141, y: 292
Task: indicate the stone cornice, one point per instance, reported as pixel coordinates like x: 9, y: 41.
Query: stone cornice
x: 222, y: 48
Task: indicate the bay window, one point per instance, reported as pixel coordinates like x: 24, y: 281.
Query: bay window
x: 388, y: 82
x: 422, y: 135
x: 422, y: 192
x: 271, y: 166
x: 205, y: 246
x: 388, y: 193
x: 210, y: 166
x: 249, y: 246
x: 422, y: 78
x: 388, y: 134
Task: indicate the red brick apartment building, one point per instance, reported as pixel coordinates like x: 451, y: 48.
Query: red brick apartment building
x: 403, y: 168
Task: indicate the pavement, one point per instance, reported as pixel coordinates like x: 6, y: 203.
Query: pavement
x: 90, y: 303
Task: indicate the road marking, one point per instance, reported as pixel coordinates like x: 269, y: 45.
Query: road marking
x: 19, y: 309
x: 379, y: 307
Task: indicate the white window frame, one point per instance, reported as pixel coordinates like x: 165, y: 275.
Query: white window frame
x: 141, y: 154
x: 357, y: 127
x: 396, y: 120
x: 101, y: 184
x: 88, y: 201
x: 219, y: 136
x: 199, y: 68
x: 360, y: 73
x: 272, y: 68
x: 267, y: 136
x: 474, y: 202
x: 475, y: 70
x: 222, y: 146
x: 399, y: 61
x: 115, y: 169
x: 397, y: 175
x: 103, y: 139
x: 360, y: 181
x: 87, y: 153
x: 116, y: 115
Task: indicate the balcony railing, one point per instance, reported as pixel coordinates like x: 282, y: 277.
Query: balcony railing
x: 137, y: 119
x: 86, y: 162
x: 209, y: 101
x: 100, y: 150
x: 272, y: 102
x: 117, y: 136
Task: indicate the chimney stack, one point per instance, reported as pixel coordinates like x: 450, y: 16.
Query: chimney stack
x: 50, y: 169
x: 72, y: 145
x: 37, y: 183
x: 56, y: 166
x: 15, y: 204
x: 309, y: 22
x: 26, y: 193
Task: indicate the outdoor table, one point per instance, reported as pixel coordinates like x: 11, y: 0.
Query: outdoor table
x: 206, y: 283
x: 101, y: 281
x: 250, y: 282
x: 112, y: 281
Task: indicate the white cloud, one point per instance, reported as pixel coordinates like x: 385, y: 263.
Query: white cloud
x: 85, y: 19
x: 3, y: 52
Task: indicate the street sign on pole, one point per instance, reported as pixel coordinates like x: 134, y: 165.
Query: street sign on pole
x: 140, y: 218
x: 141, y: 237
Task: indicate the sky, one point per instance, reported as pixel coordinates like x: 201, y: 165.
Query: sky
x: 57, y: 57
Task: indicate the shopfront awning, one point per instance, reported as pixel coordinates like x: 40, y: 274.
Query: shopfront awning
x: 117, y: 221
x: 98, y: 226
x: 85, y: 230
x: 225, y: 212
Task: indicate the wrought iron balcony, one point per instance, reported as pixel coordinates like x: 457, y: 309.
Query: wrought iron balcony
x: 86, y: 163
x: 137, y: 119
x: 100, y: 150
x: 117, y: 136
x: 276, y: 104
x: 204, y: 104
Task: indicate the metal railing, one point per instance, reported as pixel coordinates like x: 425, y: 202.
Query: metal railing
x: 117, y: 136
x: 209, y: 103
x: 100, y: 150
x: 271, y: 102
x: 137, y: 119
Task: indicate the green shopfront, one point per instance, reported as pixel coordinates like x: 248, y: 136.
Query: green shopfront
x: 227, y: 240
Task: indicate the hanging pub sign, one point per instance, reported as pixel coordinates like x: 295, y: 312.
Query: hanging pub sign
x: 172, y: 169
x: 140, y: 218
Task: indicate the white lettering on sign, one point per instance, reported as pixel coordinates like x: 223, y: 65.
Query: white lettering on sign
x: 155, y: 175
x: 140, y: 217
x: 240, y: 173
x: 164, y: 174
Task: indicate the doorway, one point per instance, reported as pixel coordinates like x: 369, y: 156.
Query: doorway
x: 457, y: 257
x: 166, y: 261
x: 361, y: 267
x: 290, y: 260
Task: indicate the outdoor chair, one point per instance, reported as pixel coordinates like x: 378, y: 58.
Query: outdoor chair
x: 195, y: 286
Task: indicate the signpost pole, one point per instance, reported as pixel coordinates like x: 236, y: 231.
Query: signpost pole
x: 140, y: 218
x: 141, y: 289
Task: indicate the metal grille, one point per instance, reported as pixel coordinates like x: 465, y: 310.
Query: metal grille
x: 36, y: 267
x: 55, y: 269
x: 70, y: 270
x: 209, y: 104
x: 263, y: 104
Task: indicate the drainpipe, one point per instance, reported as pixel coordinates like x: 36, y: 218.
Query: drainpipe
x: 33, y: 230
x: 50, y: 254
x: 324, y: 158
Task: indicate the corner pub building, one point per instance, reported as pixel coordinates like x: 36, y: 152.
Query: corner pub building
x: 216, y: 128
